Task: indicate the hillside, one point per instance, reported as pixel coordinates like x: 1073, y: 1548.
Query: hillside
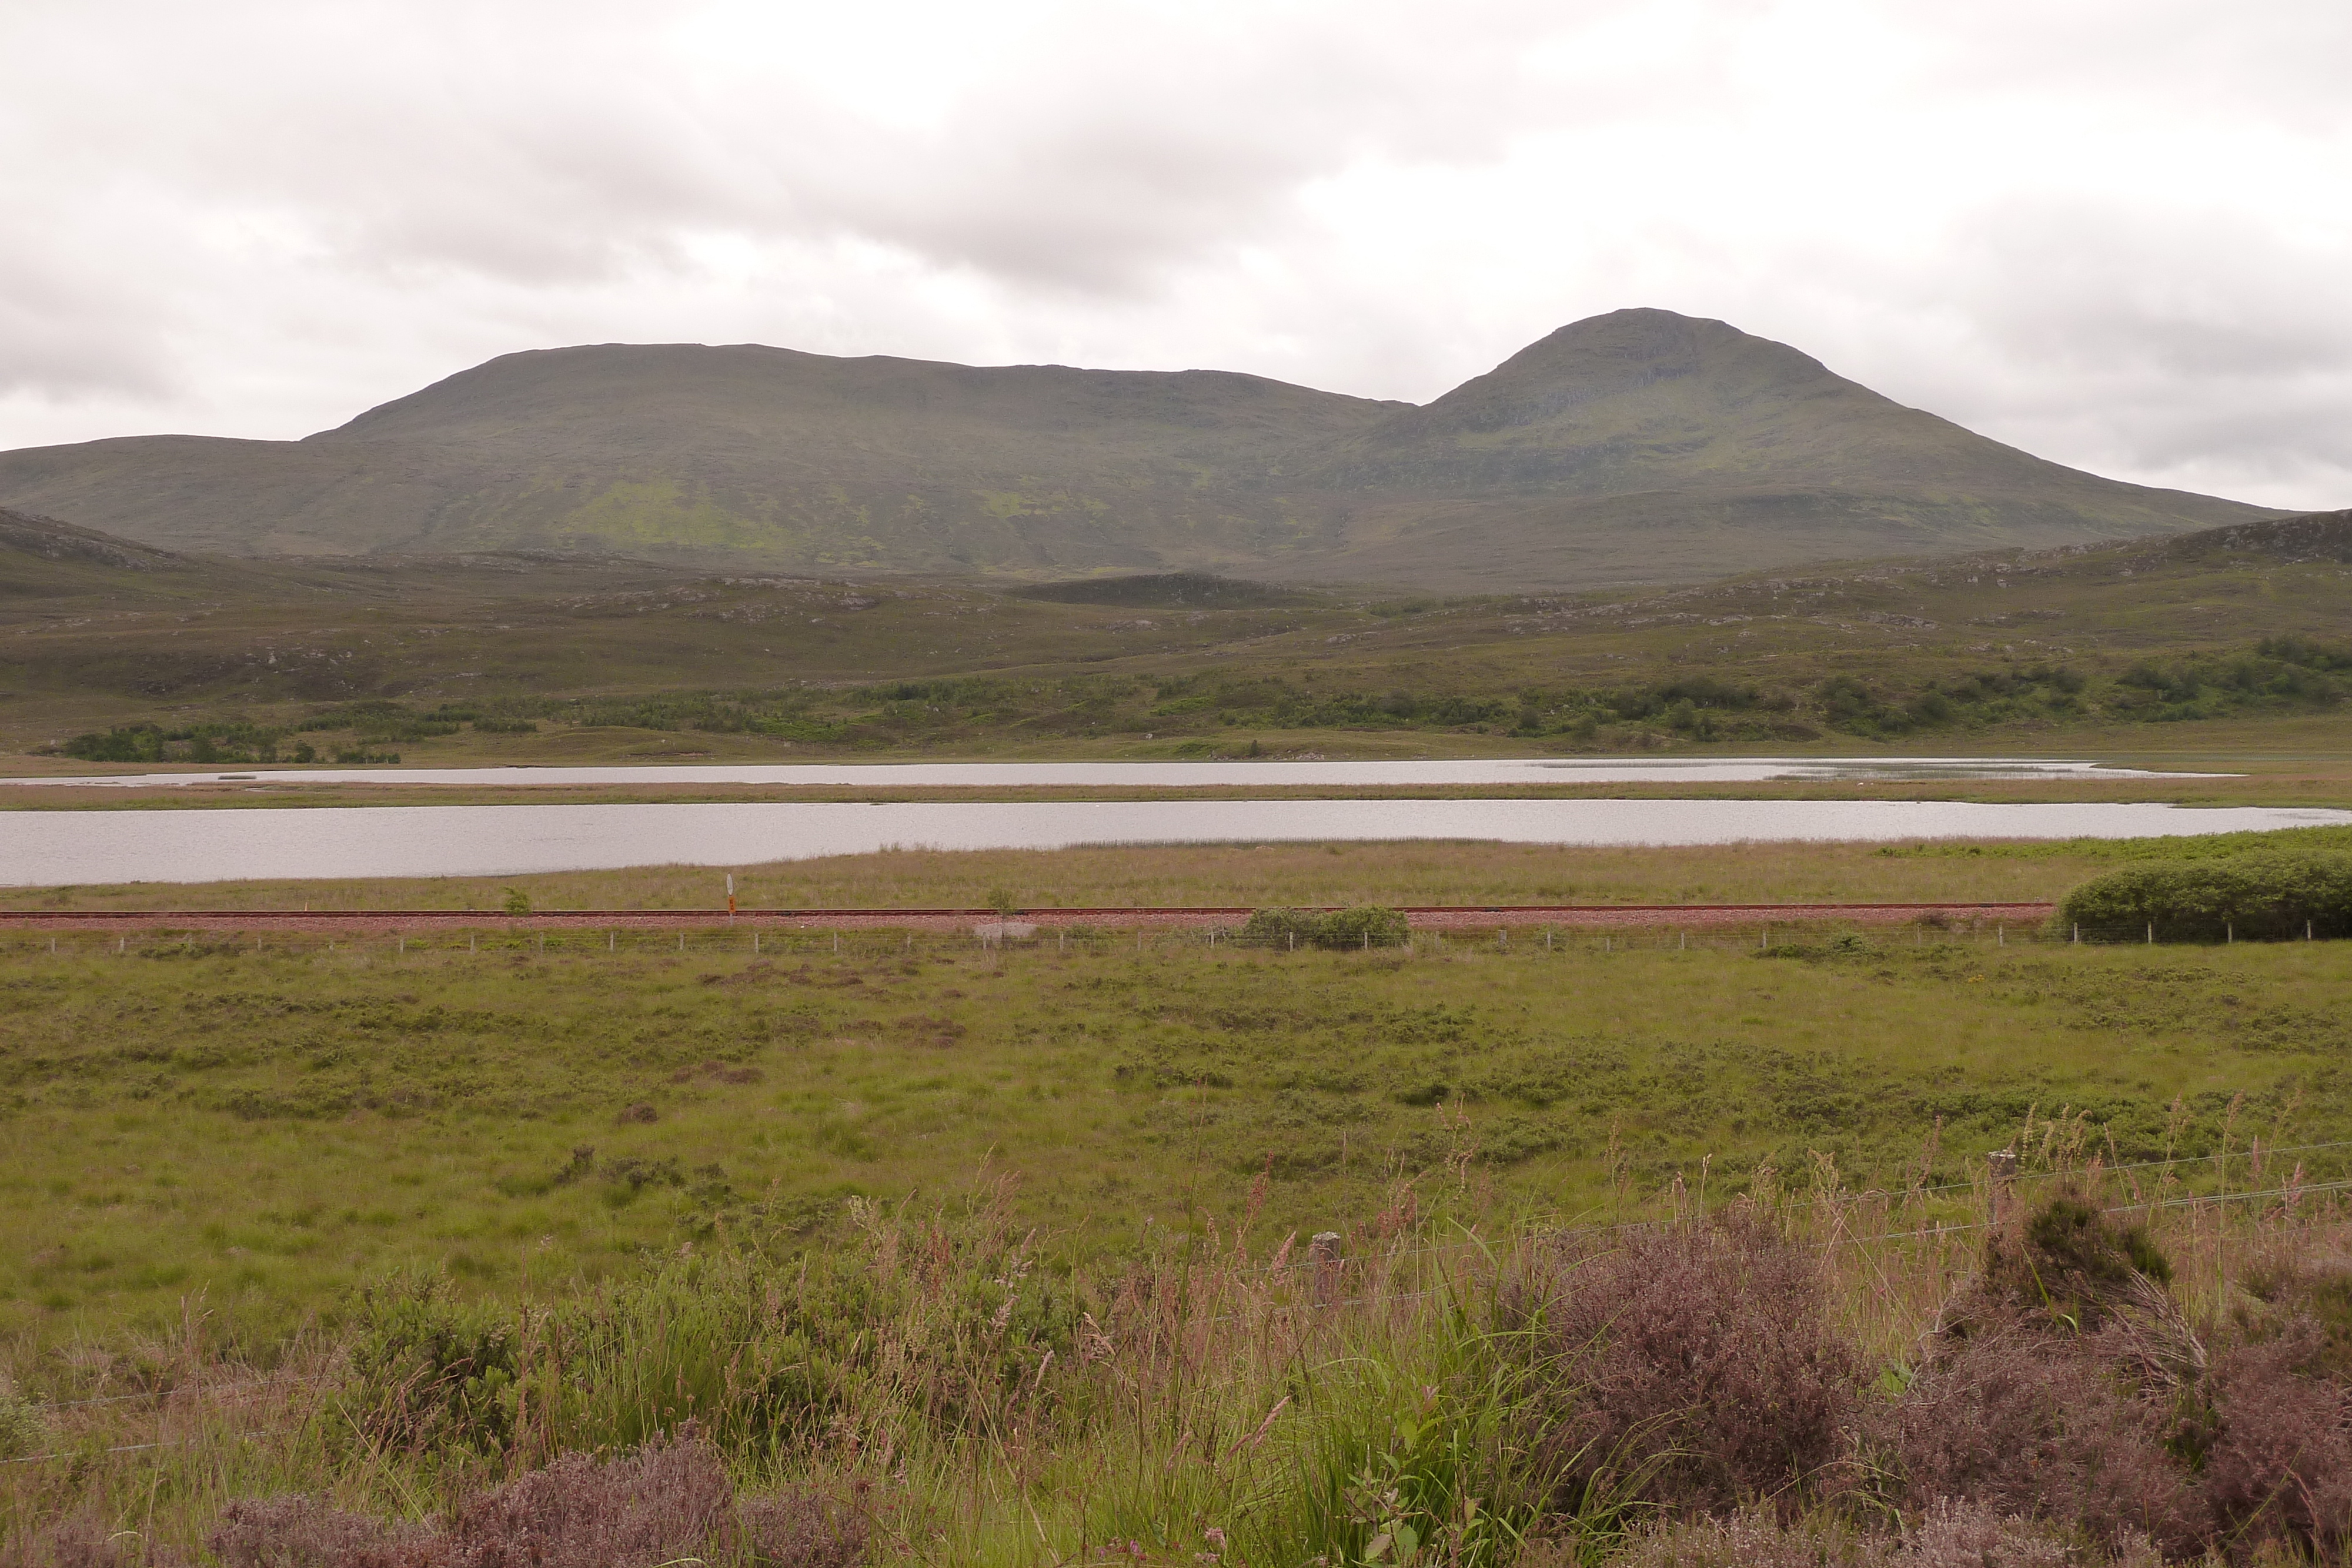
x: 1636, y: 446
x: 615, y: 658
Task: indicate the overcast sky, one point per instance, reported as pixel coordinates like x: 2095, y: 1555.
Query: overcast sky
x: 2118, y: 233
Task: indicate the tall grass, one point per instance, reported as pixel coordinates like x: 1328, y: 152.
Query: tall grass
x: 1233, y: 1396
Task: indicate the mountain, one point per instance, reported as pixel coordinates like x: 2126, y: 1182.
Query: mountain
x: 41, y: 557
x: 1638, y: 445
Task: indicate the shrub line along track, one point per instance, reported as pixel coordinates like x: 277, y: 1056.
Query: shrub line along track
x: 1420, y: 917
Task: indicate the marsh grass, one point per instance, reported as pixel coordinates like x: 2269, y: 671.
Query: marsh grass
x: 268, y: 1130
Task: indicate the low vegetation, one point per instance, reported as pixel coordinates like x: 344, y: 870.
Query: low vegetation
x: 1808, y: 1376
x: 1639, y: 1249
x: 494, y: 657
x: 1200, y: 715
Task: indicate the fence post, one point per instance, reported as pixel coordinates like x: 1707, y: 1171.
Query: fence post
x: 2000, y: 1167
x: 2151, y: 933
x: 1323, y: 1251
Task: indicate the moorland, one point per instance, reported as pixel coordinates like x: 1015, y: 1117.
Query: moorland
x: 2226, y: 641
x: 997, y: 1254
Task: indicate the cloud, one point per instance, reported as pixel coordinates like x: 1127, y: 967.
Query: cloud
x: 2105, y: 232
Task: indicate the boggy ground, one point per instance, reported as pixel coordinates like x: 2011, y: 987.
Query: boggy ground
x: 254, y: 1134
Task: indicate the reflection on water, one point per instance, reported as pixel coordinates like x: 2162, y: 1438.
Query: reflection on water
x: 1180, y: 775
x: 44, y: 848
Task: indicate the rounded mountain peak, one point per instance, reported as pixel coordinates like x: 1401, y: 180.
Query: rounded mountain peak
x: 1625, y: 352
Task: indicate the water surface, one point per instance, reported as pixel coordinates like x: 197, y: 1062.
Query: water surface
x: 47, y: 848
x: 1183, y: 775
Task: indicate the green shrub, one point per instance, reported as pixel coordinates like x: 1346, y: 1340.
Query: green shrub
x: 1365, y: 924
x: 2257, y: 896
x: 23, y: 1432
x: 947, y: 1320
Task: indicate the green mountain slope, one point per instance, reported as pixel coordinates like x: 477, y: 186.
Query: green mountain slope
x: 1640, y: 445
x: 616, y: 658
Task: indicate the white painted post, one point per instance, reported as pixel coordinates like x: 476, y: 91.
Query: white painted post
x: 2078, y: 934
x: 2229, y: 933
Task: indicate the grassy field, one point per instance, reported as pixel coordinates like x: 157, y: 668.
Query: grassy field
x: 268, y: 1128
x: 998, y: 1256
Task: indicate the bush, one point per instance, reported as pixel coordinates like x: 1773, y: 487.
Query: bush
x: 2279, y: 1463
x: 2042, y: 1425
x: 2254, y: 895
x: 1693, y: 1368
x: 23, y: 1432
x: 1365, y: 924
x: 666, y: 1504
x: 950, y: 1325
x: 1950, y: 1535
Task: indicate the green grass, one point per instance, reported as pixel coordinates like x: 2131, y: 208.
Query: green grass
x: 263, y: 1131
